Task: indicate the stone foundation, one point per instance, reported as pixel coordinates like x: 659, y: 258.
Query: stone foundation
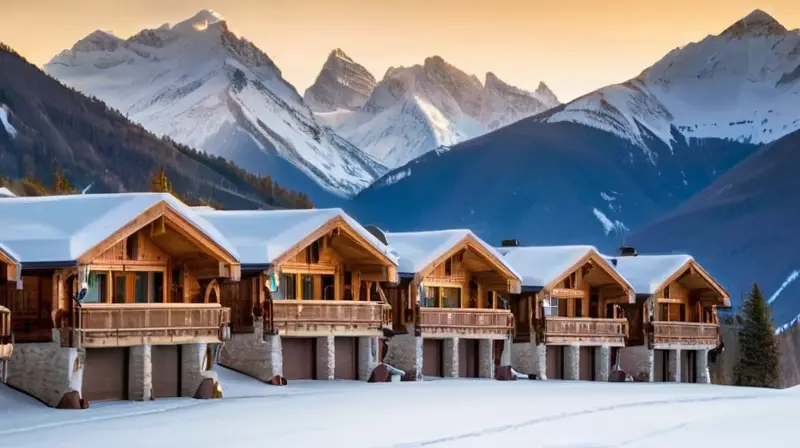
x: 602, y: 363
x: 674, y: 366
x: 572, y: 362
x: 326, y: 357
x: 46, y: 370
x: 485, y: 358
x: 637, y: 362
x: 368, y: 356
x: 194, y: 368
x: 255, y: 354
x: 450, y: 353
x: 540, y: 361
x: 701, y: 367
x: 405, y: 353
x: 523, y: 357
x: 140, y: 373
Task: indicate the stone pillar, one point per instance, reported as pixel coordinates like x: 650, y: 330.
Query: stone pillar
x: 140, y: 373
x: 701, y: 367
x: 638, y: 362
x: 254, y: 354
x: 674, y: 366
x: 194, y: 363
x: 540, y: 361
x: 485, y: 358
x: 451, y: 361
x: 326, y: 357
x: 602, y: 363
x: 572, y: 362
x: 404, y: 352
x: 367, y: 356
x: 505, y: 357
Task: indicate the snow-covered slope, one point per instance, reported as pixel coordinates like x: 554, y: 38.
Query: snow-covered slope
x: 743, y: 85
x: 205, y: 87
x: 413, y: 110
x: 342, y: 84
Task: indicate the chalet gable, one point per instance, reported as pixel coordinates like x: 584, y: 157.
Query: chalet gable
x: 9, y: 267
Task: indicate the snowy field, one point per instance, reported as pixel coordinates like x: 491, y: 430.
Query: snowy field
x: 442, y: 413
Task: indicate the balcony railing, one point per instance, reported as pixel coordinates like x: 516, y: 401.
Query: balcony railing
x: 324, y: 317
x: 5, y: 334
x: 466, y: 321
x: 566, y: 330
x: 685, y: 333
x: 124, y: 325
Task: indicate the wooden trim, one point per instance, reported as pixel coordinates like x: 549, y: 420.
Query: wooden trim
x: 703, y: 274
x: 213, y: 286
x: 600, y: 262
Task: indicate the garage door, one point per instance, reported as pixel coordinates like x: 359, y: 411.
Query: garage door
x: 346, y: 359
x: 587, y: 364
x: 660, y: 365
x: 298, y: 358
x: 105, y: 374
x: 468, y: 358
x: 688, y: 362
x: 432, y: 357
x: 555, y: 364
x: 166, y: 371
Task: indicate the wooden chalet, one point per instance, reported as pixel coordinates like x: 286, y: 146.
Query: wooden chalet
x: 120, y: 297
x: 570, y: 314
x: 310, y: 304
x: 674, y: 320
x: 9, y: 277
x: 450, y: 313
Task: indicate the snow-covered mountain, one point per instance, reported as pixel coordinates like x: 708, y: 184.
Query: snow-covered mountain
x: 413, y: 110
x: 203, y: 86
x: 342, y: 84
x: 742, y: 85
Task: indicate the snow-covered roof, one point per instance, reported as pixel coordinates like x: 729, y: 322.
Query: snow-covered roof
x: 417, y: 250
x: 540, y: 265
x: 6, y: 193
x: 63, y: 228
x: 647, y: 273
x: 261, y: 236
x: 8, y: 253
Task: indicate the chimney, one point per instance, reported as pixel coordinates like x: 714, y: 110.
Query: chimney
x: 626, y: 251
x: 509, y: 243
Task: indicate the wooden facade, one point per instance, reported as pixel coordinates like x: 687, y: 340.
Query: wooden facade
x: 462, y: 293
x: 6, y: 347
x: 9, y: 277
x: 330, y: 283
x: 585, y: 305
x: 153, y: 281
x: 683, y: 310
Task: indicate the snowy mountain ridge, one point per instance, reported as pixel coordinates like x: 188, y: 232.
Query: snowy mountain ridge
x: 741, y: 85
x: 416, y: 109
x: 342, y: 83
x: 205, y: 87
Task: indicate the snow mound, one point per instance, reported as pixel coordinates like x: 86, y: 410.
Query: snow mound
x: 10, y: 130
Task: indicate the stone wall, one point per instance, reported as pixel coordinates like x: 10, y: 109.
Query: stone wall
x: 140, y: 373
x: 637, y: 362
x: 193, y: 368
x: 368, y: 359
x: 253, y: 354
x: 405, y: 352
x: 486, y: 358
x: 789, y: 348
x: 46, y: 370
x: 326, y: 357
x: 450, y: 353
x: 523, y: 357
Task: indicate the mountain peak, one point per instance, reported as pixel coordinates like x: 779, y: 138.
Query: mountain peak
x: 338, y: 53
x: 98, y: 40
x: 544, y: 89
x: 199, y: 21
x: 341, y: 84
x: 756, y: 24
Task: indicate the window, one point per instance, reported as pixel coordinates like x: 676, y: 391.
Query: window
x: 98, y: 283
x: 663, y: 311
x: 288, y: 288
x: 120, y: 287
x: 451, y: 297
x: 578, y: 307
x: 569, y: 282
x: 666, y: 292
x: 489, y: 300
x: 551, y: 306
x: 158, y: 287
x: 308, y: 287
x: 448, y: 267
x: 140, y: 286
x: 132, y: 246
x: 609, y: 310
x: 312, y: 252
x: 431, y: 297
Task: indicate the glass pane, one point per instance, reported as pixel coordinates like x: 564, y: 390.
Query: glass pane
x: 140, y: 287
x: 158, y: 287
x: 451, y: 297
x: 430, y: 297
x: 578, y: 307
x: 308, y: 287
x: 119, y: 288
x: 97, y: 288
x: 562, y: 308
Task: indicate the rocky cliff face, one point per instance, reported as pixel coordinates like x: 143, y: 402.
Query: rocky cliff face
x: 342, y: 84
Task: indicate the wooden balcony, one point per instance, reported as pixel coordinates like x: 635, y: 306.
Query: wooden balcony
x: 327, y: 317
x: 685, y: 333
x: 125, y: 325
x: 457, y: 322
x: 6, y: 348
x: 572, y: 330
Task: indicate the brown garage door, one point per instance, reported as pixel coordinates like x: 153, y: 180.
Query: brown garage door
x: 660, y: 364
x: 555, y: 364
x: 346, y: 359
x: 468, y: 358
x: 298, y: 358
x: 432, y: 357
x: 105, y: 374
x: 166, y: 371
x: 587, y: 364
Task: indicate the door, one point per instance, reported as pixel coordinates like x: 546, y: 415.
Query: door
x: 587, y: 361
x: 468, y: 358
x: 346, y: 358
x: 166, y: 371
x: 660, y: 366
x: 298, y: 358
x: 555, y: 362
x: 105, y: 374
x: 688, y: 373
x: 432, y: 357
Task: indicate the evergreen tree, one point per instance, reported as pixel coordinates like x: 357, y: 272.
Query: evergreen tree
x: 759, y: 363
x: 60, y: 182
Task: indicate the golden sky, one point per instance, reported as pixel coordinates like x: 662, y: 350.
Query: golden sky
x: 575, y: 46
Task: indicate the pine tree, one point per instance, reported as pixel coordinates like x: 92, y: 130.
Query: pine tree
x: 759, y: 363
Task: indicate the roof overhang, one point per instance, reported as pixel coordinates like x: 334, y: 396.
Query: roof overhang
x: 594, y: 257
x: 694, y: 267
